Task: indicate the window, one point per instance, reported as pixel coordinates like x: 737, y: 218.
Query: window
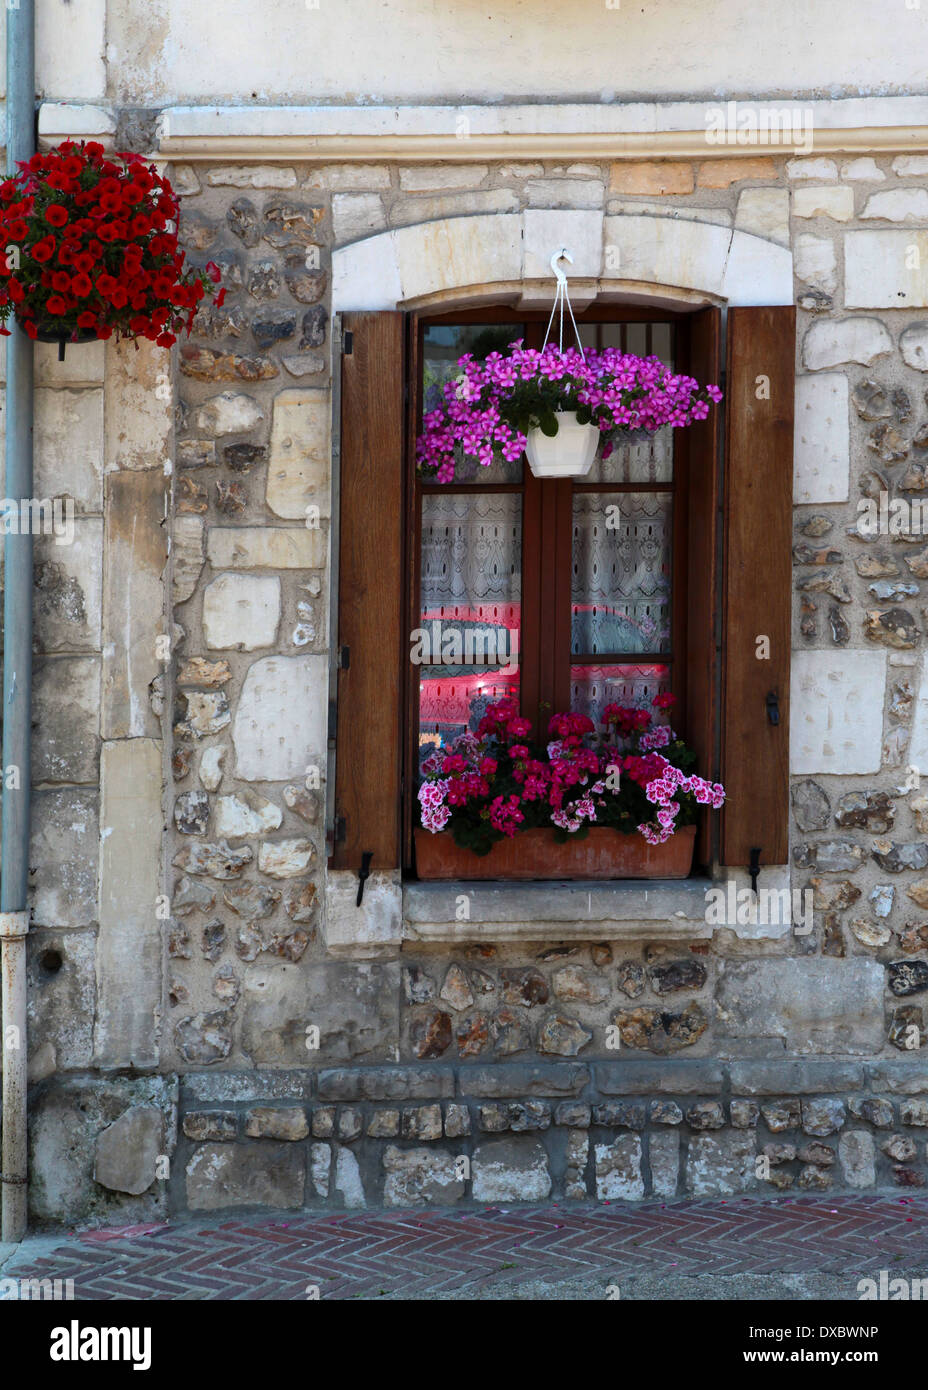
x: 661, y: 568
x: 567, y: 594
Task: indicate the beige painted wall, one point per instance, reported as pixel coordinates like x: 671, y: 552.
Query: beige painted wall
x: 160, y: 51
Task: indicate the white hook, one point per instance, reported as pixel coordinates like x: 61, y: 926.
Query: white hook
x: 562, y: 255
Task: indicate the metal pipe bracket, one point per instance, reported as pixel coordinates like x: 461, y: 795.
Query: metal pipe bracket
x: 14, y: 925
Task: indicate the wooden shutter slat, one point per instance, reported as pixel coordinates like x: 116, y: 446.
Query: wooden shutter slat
x: 698, y: 450
x: 757, y: 581
x: 368, y: 786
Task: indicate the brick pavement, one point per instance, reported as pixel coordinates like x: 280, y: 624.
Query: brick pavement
x: 469, y: 1254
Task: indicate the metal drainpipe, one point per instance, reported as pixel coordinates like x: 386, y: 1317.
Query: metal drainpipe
x: 17, y: 670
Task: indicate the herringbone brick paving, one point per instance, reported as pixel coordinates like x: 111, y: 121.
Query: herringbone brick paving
x: 423, y: 1253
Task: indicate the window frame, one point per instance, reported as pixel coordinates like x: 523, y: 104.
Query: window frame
x: 548, y: 509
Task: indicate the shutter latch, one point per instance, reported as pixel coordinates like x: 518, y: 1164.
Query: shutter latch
x: 754, y: 868
x: 773, y: 707
x: 363, y: 874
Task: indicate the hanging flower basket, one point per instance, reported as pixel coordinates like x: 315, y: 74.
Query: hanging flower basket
x: 612, y: 804
x: 92, y: 251
x: 559, y: 405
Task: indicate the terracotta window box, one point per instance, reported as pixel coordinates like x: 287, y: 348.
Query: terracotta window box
x: 603, y: 853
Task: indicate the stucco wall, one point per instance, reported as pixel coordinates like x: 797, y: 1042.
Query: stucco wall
x: 418, y: 50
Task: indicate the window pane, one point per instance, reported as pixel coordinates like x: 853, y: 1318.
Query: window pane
x: 592, y: 687
x: 620, y: 580
x: 646, y: 461
x: 442, y: 345
x: 470, y: 609
x: 453, y: 699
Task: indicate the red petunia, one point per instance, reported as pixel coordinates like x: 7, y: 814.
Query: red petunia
x: 43, y: 250
x: 81, y: 286
x: 86, y: 319
x: 56, y: 215
x: 56, y: 305
x: 61, y: 281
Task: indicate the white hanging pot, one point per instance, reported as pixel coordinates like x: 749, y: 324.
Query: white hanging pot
x: 567, y: 454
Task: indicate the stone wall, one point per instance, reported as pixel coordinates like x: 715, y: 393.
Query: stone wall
x: 737, y: 1059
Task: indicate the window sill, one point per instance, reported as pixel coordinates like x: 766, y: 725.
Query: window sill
x: 561, y: 911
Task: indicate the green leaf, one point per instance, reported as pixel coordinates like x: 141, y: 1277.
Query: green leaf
x: 548, y: 423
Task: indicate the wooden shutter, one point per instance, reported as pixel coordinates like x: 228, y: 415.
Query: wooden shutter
x: 699, y: 456
x: 758, y: 490
x: 368, y: 788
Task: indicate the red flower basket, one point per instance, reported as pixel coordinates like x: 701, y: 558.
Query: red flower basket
x: 91, y: 250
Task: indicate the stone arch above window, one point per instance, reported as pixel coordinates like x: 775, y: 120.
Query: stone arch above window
x: 503, y: 257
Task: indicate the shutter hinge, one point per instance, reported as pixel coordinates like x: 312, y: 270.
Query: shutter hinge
x: 341, y: 830
x: 344, y: 658
x: 348, y: 344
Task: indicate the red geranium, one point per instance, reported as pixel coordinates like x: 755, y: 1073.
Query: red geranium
x: 98, y: 248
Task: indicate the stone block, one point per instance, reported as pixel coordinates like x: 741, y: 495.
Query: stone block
x: 68, y: 593
x: 127, y: 1151
x: 69, y: 447
x: 187, y: 551
x: 246, y: 1175
x: 61, y: 1000
x: 664, y: 1159
x: 203, y: 1125
x: 456, y: 251
x: 266, y: 547
x: 644, y: 1076
x: 281, y: 723
x: 129, y: 939
x: 133, y: 600
x: 780, y: 1077
x: 66, y: 713
x: 355, y: 1006
x: 882, y: 271
x: 618, y: 1170
x: 815, y: 262
x: 719, y: 1165
x: 835, y: 202
x: 764, y: 212
x: 512, y: 1080
x: 428, y: 209
x: 510, y: 1170
x: 386, y: 1083
x: 821, y: 455
x: 898, y: 205
x: 836, y: 712
x: 66, y: 1117
x: 830, y: 342
x: 813, y: 1005
x: 65, y: 840
x: 348, y: 1184
x: 416, y: 1177
x: 356, y: 215
x: 241, y: 611
x: 857, y: 1157
x: 546, y: 231
x: 652, y: 179
x: 299, y: 457
x: 276, y: 1122
x: 138, y: 406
